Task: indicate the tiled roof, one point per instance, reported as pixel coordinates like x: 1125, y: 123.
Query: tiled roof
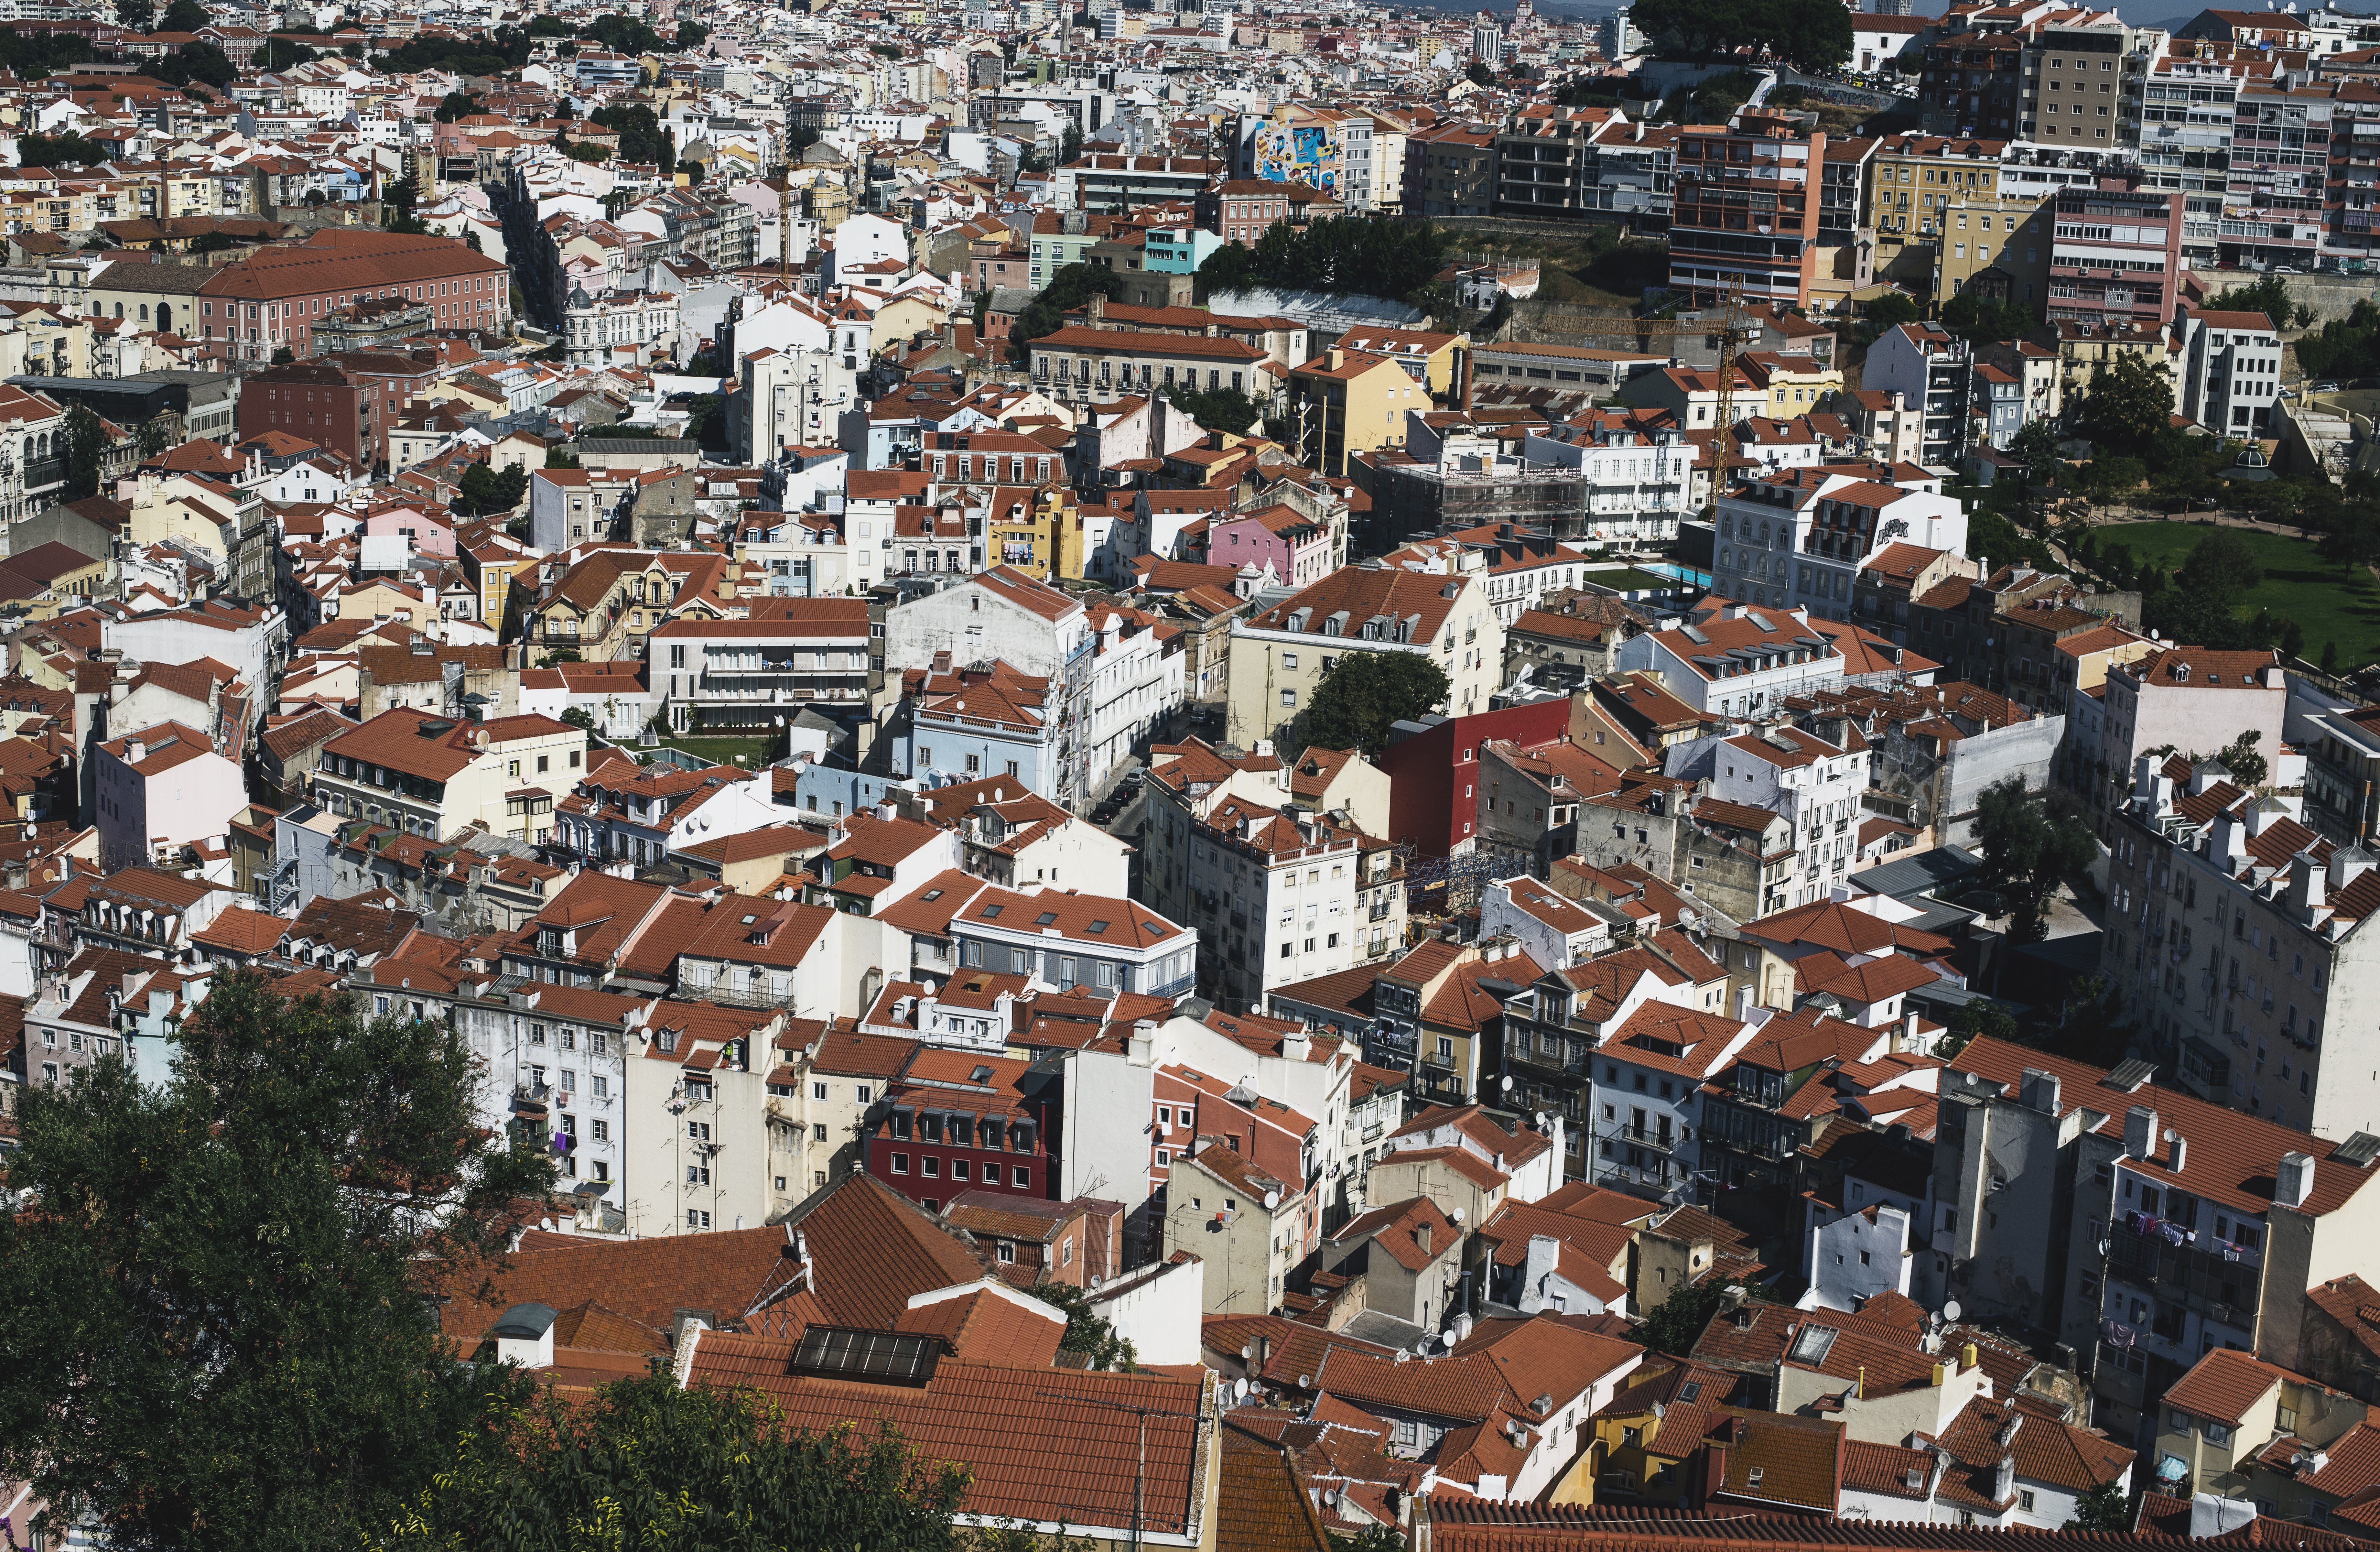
x: 2224, y: 1383
x: 1035, y: 1441
x: 1263, y: 1505
x: 872, y: 1250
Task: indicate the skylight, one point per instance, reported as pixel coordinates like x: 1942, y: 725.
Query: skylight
x: 933, y: 894
x: 990, y: 912
x: 1813, y: 1344
x: 1100, y: 925
x: 1045, y: 918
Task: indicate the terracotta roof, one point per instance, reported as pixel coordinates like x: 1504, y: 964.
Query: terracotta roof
x: 2224, y: 1383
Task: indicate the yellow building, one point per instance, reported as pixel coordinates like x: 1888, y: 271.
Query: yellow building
x: 1345, y: 402
x: 1038, y: 532
x: 1788, y: 385
x: 1943, y: 217
x: 1435, y: 360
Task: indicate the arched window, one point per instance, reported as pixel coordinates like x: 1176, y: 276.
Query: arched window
x: 119, y: 310
x: 165, y: 317
x: 144, y: 313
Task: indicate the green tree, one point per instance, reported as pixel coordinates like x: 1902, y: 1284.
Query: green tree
x: 1088, y: 1331
x: 2128, y: 404
x: 2033, y: 842
x: 1072, y: 286
x: 154, y: 436
x: 199, y: 61
x: 488, y: 490
x: 2104, y: 1508
x: 647, y: 1465
x: 86, y: 448
x: 1984, y: 321
x: 623, y: 34
x: 692, y: 34
x: 59, y: 151
x: 185, y: 16
x: 2248, y: 768
x: 2036, y: 443
x: 582, y: 719
x: 1478, y: 74
x: 885, y: 51
x: 2267, y: 294
x: 136, y: 16
x: 1217, y: 410
x: 1360, y: 698
x: 455, y: 104
x: 1371, y: 1538
x: 1980, y: 1016
x: 2220, y: 567
x: 244, y: 1239
x: 1676, y: 1323
x: 283, y: 356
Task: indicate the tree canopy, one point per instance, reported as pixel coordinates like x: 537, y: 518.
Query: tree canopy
x: 622, y: 34
x: 242, y: 1232
x: 1217, y: 410
x: 1088, y: 1331
x: 2032, y: 843
x: 488, y: 490
x: 197, y: 61
x: 646, y: 1465
x: 59, y: 151
x: 1983, y: 320
x: 1813, y: 34
x: 86, y: 451
x: 1369, y: 692
x: 2128, y: 404
x: 1373, y: 256
x: 1675, y: 1324
x: 643, y: 137
x: 185, y: 16
x: 1072, y: 287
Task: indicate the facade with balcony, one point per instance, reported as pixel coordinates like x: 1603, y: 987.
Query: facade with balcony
x: 2274, y: 209
x: 1063, y: 940
x: 2186, y: 124
x: 2115, y: 256
x: 760, y: 672
x: 1746, y: 206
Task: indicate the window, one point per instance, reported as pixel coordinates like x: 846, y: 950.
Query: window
x: 1289, y: 697
x: 1024, y: 1177
x: 1007, y: 1253
x: 900, y: 1163
x: 2025, y: 1500
x: 818, y: 1091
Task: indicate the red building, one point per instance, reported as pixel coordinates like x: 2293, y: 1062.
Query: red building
x: 1434, y: 775
x: 275, y: 298
x: 959, y: 1122
x: 312, y: 400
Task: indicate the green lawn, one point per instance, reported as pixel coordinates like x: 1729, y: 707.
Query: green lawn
x: 722, y: 751
x: 2298, y: 585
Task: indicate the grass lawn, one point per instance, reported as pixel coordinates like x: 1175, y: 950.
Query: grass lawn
x: 722, y: 751
x: 2298, y: 585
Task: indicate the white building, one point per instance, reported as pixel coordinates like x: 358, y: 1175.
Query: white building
x: 1137, y: 682
x: 1552, y: 928
x: 1799, y: 537
x: 160, y: 789
x: 618, y: 328
x: 1737, y: 660
x: 1812, y: 784
x: 2192, y: 700
x: 1638, y: 483
x: 2229, y: 370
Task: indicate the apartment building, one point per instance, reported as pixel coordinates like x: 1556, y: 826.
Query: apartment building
x: 2193, y: 700
x: 2273, y: 209
x: 1802, y: 536
x: 2228, y: 370
x: 1972, y: 83
x: 788, y: 653
x: 2188, y: 115
x: 1084, y: 364
x: 2116, y: 255
x: 1344, y: 402
x: 429, y: 776
x: 2084, y: 74
x: 1813, y: 785
x: 1285, y: 892
x: 1451, y: 170
x: 2146, y: 1227
x: 1062, y: 939
x: 1546, y: 162
x: 696, y: 1119
x: 1930, y: 368
x: 1279, y: 657
x: 1738, y: 661
x: 1946, y: 221
x: 1712, y: 233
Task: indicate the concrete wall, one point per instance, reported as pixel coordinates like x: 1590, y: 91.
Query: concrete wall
x: 1157, y: 1310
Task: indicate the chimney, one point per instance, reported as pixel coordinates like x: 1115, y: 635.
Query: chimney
x: 1097, y: 306
x: 2039, y: 1091
x: 2180, y: 1151
x: 2346, y: 865
x: 2227, y: 848
x: 2309, y: 896
x: 2140, y: 1132
x: 2293, y: 1180
x: 2004, y: 1479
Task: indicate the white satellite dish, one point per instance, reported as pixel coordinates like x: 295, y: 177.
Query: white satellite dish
x: 1951, y: 1310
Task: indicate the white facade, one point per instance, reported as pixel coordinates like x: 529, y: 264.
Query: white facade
x: 1800, y: 538
x: 1856, y: 1255
x: 1638, y: 484
x: 1808, y: 783
x: 2228, y: 372
x: 1136, y: 682
x: 618, y: 327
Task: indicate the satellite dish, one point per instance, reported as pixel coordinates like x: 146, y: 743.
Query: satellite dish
x: 2169, y: 1133
x: 1507, y: 1083
x: 1951, y: 1310
x: 1306, y: 1382
x: 1249, y: 1350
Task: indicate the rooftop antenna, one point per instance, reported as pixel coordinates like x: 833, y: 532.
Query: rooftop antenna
x: 1140, y: 1477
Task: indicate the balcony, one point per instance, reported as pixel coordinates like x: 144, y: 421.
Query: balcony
x: 1649, y: 1137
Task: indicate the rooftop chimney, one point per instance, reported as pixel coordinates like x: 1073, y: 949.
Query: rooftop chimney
x: 2293, y: 1180
x: 2140, y: 1132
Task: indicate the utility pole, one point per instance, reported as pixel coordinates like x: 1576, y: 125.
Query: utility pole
x: 1140, y: 1477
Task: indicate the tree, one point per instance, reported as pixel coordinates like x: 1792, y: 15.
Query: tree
x: 560, y: 655
x: 1072, y: 286
x: 1981, y: 1017
x: 1800, y: 31
x: 246, y: 1238
x: 2036, y: 443
x: 86, y: 446
x: 199, y: 61
x: 59, y: 151
x: 692, y: 34
x: 155, y: 436
x: 2103, y: 1507
x: 1677, y: 1322
x: 488, y: 490
x: 455, y: 104
x: 2128, y: 403
x: 647, y: 1465
x: 1217, y: 410
x: 1984, y: 321
x: 2033, y: 842
x: 1890, y: 310
x: 1478, y: 74
x: 2220, y: 567
x: 471, y: 239
x: 283, y: 356
x: 136, y: 16
x: 2267, y: 294
x: 185, y: 16
x: 623, y: 34
x: 1366, y: 692
x: 1088, y: 1331
x: 2239, y: 756
x: 580, y: 718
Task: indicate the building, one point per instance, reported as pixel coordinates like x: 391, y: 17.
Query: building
x: 428, y: 776
x: 1451, y: 170
x: 272, y: 299
x: 1279, y: 657
x: 964, y: 1123
x: 1930, y: 369
x: 1712, y: 238
x: 1084, y: 364
x: 2227, y: 368
x: 1801, y: 538
x: 159, y: 790
x: 2192, y: 701
x: 763, y: 670
x: 1738, y: 661
x: 1946, y: 220
x: 1247, y: 1225
x: 1972, y: 83
x: 1002, y: 615
x: 2116, y: 255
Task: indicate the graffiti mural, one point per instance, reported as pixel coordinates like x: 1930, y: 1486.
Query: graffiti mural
x: 1306, y: 153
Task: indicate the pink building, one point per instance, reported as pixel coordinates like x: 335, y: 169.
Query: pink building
x: 2114, y: 254
x: 1295, y: 546
x: 431, y: 534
